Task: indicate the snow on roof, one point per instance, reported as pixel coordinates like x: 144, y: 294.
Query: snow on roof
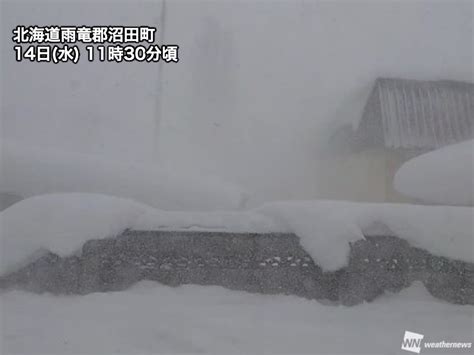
x: 404, y: 113
x: 444, y: 176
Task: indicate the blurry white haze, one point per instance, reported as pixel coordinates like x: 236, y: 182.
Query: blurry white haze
x: 262, y: 110
x: 260, y: 88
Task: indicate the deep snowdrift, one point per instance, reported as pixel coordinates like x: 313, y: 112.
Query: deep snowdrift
x: 444, y: 176
x: 29, y: 171
x: 61, y: 223
x: 151, y: 319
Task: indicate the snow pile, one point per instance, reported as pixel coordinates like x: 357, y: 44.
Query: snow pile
x: 61, y: 223
x: 214, y: 320
x: 325, y: 228
x: 29, y: 171
x: 444, y: 176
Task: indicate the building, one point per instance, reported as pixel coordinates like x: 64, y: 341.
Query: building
x: 405, y: 118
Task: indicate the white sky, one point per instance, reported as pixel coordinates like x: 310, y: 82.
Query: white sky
x: 259, y: 88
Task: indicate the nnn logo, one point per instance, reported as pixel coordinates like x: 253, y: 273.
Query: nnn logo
x: 412, y: 342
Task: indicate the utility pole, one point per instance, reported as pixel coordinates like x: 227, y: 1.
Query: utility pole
x: 159, y: 91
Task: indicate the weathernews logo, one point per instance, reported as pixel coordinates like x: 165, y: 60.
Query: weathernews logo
x: 413, y: 342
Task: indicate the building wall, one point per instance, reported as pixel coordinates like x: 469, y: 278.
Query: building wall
x: 362, y: 176
x: 393, y: 161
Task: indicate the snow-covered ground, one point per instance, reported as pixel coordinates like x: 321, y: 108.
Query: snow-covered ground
x: 62, y: 223
x: 152, y: 319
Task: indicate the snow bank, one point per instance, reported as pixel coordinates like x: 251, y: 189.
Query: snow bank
x: 62, y: 223
x: 444, y: 176
x: 29, y: 171
x: 214, y: 320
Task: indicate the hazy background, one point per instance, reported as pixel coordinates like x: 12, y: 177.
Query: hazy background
x: 259, y: 89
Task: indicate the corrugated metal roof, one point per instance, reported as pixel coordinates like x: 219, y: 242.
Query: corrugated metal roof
x: 404, y: 113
